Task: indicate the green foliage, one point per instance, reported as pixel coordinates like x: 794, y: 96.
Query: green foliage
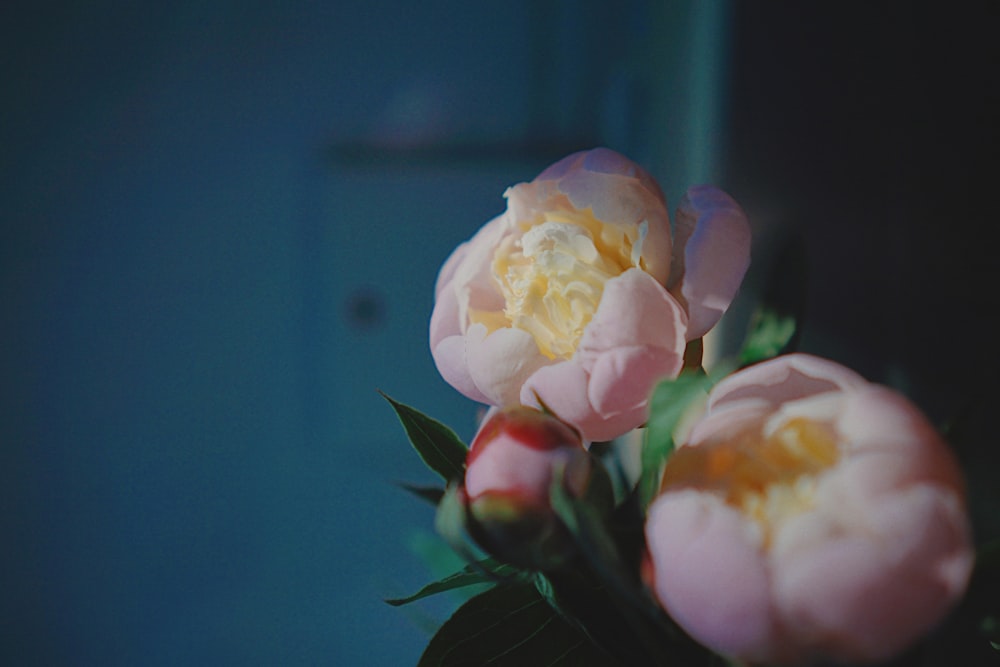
x: 510, y: 625
x: 668, y: 404
x: 484, y: 571
x: 430, y: 494
x: 770, y: 334
x: 604, y: 594
x: 438, y: 446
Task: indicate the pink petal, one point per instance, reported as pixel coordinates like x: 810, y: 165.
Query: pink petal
x: 880, y: 423
x: 622, y: 379
x: 447, y: 271
x: 500, y: 362
x: 711, y: 255
x: 562, y: 387
x: 635, y: 310
x: 784, y: 378
x: 449, y: 357
x: 445, y: 317
x: 878, y: 582
x: 710, y: 574
x: 472, y: 277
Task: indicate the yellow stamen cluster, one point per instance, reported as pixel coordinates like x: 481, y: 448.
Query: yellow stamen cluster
x: 768, y: 478
x: 552, y: 276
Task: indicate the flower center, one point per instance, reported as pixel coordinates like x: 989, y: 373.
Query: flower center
x: 767, y: 478
x: 552, y: 276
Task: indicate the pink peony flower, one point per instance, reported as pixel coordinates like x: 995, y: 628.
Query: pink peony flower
x: 563, y: 299
x: 510, y: 470
x: 810, y: 514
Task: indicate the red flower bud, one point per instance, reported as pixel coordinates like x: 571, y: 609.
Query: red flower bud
x: 510, y: 470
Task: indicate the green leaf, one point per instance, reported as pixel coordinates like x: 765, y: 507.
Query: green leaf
x: 668, y: 404
x: 467, y: 576
x: 431, y: 494
x: 438, y: 446
x: 510, y: 625
x: 770, y: 334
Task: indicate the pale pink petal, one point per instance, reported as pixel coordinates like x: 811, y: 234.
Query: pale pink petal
x: 499, y: 363
x: 601, y: 161
x: 784, y: 378
x: 864, y: 594
x: 562, y: 388
x: 622, y: 379
x: 727, y: 421
x: 635, y: 310
x: 877, y: 419
x: 710, y: 573
x: 447, y: 271
x: 449, y: 357
x: 472, y: 278
x: 716, y: 255
x: 445, y: 319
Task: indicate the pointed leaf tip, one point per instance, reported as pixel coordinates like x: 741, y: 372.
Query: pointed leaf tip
x: 438, y: 446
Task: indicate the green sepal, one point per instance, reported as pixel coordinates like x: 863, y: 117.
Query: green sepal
x: 450, y: 521
x: 439, y: 447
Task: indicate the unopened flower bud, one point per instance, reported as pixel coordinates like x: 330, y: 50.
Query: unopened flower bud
x: 512, y: 465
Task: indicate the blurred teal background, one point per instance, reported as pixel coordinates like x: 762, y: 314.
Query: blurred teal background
x: 221, y: 224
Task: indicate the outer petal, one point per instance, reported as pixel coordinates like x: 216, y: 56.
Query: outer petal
x: 622, y: 379
x: 784, y: 378
x: 588, y: 402
x: 711, y: 255
x: 880, y: 423
x: 447, y: 271
x: 499, y: 363
x: 449, y: 357
x: 710, y: 573
x: 868, y: 590
x: 472, y: 278
x: 445, y: 318
x: 562, y: 387
x: 635, y: 310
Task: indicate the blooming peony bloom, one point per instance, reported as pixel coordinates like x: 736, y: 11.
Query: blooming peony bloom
x: 510, y: 470
x: 810, y: 514
x: 563, y: 299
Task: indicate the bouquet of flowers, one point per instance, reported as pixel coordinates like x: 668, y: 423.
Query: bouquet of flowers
x: 624, y: 504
